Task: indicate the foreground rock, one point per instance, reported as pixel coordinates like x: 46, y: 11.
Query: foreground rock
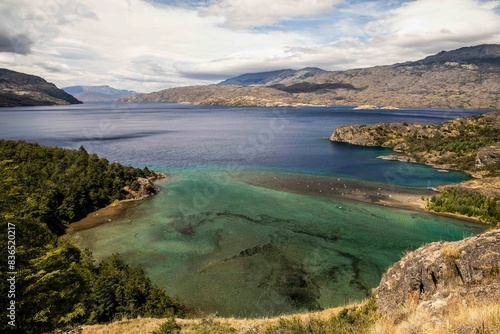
x: 19, y: 89
x: 442, y: 273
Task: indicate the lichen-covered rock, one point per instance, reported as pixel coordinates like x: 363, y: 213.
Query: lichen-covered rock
x: 488, y: 155
x: 439, y: 273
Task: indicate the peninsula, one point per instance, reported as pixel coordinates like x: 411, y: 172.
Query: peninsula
x: 470, y: 144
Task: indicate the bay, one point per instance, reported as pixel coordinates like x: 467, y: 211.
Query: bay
x: 226, y: 246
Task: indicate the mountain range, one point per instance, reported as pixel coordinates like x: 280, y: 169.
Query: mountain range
x: 20, y: 89
x: 97, y: 93
x: 273, y: 77
x: 465, y: 78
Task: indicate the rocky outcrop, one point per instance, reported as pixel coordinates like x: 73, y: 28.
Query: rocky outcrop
x: 440, y: 273
x: 19, y: 89
x: 487, y: 156
x: 463, y: 78
x: 144, y: 187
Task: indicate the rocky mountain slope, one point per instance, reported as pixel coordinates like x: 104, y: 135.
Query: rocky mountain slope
x: 443, y: 273
x: 282, y: 77
x: 97, y: 93
x: 462, y: 78
x: 19, y: 89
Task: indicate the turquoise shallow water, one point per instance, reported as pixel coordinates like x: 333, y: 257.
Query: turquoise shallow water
x: 228, y: 247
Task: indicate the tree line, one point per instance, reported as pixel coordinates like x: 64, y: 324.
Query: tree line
x: 472, y: 204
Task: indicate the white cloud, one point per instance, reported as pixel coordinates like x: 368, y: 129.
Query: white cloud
x: 431, y: 24
x: 253, y: 13
x: 136, y: 45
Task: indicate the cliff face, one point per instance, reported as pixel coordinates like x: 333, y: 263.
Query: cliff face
x: 442, y: 273
x: 470, y: 144
x: 463, y: 78
x: 19, y: 89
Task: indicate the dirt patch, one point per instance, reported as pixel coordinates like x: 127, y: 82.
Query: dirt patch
x: 116, y: 210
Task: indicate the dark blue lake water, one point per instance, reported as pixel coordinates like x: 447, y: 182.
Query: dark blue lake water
x: 172, y: 136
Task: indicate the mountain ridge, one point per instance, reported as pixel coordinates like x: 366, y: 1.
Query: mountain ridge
x: 21, y: 89
x: 466, y: 78
x: 272, y: 77
x: 102, y: 93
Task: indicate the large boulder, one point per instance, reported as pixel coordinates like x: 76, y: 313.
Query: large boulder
x: 440, y: 273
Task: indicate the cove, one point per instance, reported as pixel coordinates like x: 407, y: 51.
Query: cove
x: 224, y: 246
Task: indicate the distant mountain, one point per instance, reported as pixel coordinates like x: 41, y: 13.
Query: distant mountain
x: 20, y: 89
x: 467, y: 78
x: 486, y: 53
x: 286, y: 76
x: 97, y: 93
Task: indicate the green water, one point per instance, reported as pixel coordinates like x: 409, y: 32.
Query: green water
x: 228, y: 247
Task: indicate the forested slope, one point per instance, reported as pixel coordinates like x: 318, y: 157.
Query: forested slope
x: 52, y: 283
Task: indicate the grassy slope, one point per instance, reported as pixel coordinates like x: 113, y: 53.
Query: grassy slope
x: 459, y: 318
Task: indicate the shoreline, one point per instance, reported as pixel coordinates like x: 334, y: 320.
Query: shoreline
x: 329, y: 187
x: 117, y: 210
x: 382, y: 194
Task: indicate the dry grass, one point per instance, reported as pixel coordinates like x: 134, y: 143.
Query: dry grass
x: 451, y: 251
x: 476, y: 317
x: 134, y: 326
x: 242, y: 325
x: 480, y: 318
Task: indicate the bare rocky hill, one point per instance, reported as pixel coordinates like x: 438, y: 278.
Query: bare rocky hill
x: 19, y: 89
x: 462, y: 78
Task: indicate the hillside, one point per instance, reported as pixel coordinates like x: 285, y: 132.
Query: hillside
x: 462, y: 78
x: 42, y: 191
x: 19, y: 89
x: 97, y: 93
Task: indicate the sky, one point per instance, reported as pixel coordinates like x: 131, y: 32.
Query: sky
x: 149, y: 45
